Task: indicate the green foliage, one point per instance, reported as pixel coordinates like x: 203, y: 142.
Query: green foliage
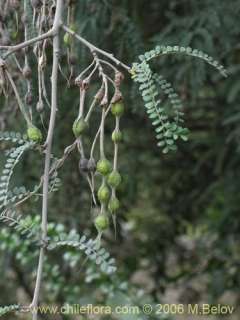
x: 30, y: 229
x: 167, y: 130
x: 8, y: 309
x: 24, y: 226
x: 18, y: 193
x: 11, y: 162
x: 54, y: 182
x: 173, y: 97
x: 165, y: 50
x: 90, y: 247
x: 78, y: 252
x: 12, y: 136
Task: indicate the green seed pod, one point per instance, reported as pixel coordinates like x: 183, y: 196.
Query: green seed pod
x: 101, y: 222
x: 67, y: 39
x: 117, y: 109
x: 73, y: 27
x: 117, y: 136
x: 34, y: 134
x: 114, y: 179
x: 104, y: 167
x: 113, y: 205
x: 79, y: 126
x: 103, y: 193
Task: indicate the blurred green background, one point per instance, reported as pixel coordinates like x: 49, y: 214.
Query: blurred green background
x: 178, y: 227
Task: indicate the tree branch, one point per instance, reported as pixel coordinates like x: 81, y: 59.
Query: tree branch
x: 93, y: 48
x: 22, y: 45
x: 48, y: 144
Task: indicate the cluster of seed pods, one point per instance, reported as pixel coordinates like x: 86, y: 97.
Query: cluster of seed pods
x: 101, y: 70
x: 107, y: 170
x: 32, y: 18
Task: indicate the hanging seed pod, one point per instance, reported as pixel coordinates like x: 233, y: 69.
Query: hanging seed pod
x: 73, y: 27
x: 119, y: 77
x: 117, y: 96
x: 117, y: 136
x: 5, y: 41
x: 15, y: 4
x: 117, y: 109
x: 67, y: 39
x: 27, y: 72
x: 36, y: 3
x: 34, y: 134
x: 114, y: 179
x: 70, y: 2
x: 103, y: 193
x: 113, y: 204
x: 79, y: 126
x: 100, y: 94
x: 50, y: 21
x: 29, y: 98
x: 24, y: 19
x: 104, y: 167
x: 91, y: 165
x: 25, y: 50
x: 101, y: 222
x: 40, y: 106
x: 72, y: 59
x: 83, y: 165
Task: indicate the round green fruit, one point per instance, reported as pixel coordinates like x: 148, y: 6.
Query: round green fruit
x: 67, y: 39
x: 34, y: 134
x: 104, y: 167
x: 117, y: 136
x: 114, y: 179
x: 113, y: 205
x: 117, y: 109
x: 101, y: 222
x: 79, y: 126
x: 103, y: 194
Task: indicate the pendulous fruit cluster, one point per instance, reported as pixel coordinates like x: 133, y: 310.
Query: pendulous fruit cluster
x: 34, y: 134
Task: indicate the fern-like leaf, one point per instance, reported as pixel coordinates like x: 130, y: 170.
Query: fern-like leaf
x: 54, y: 182
x: 12, y: 160
x: 167, y: 130
x: 21, y: 225
x: 163, y: 50
x: 13, y: 137
x: 172, y: 95
x: 99, y: 255
x: 7, y: 309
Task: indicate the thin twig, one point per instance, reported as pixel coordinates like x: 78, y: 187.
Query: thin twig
x: 54, y: 80
x: 12, y: 49
x: 93, y: 48
x: 97, y: 134
x: 19, y: 100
